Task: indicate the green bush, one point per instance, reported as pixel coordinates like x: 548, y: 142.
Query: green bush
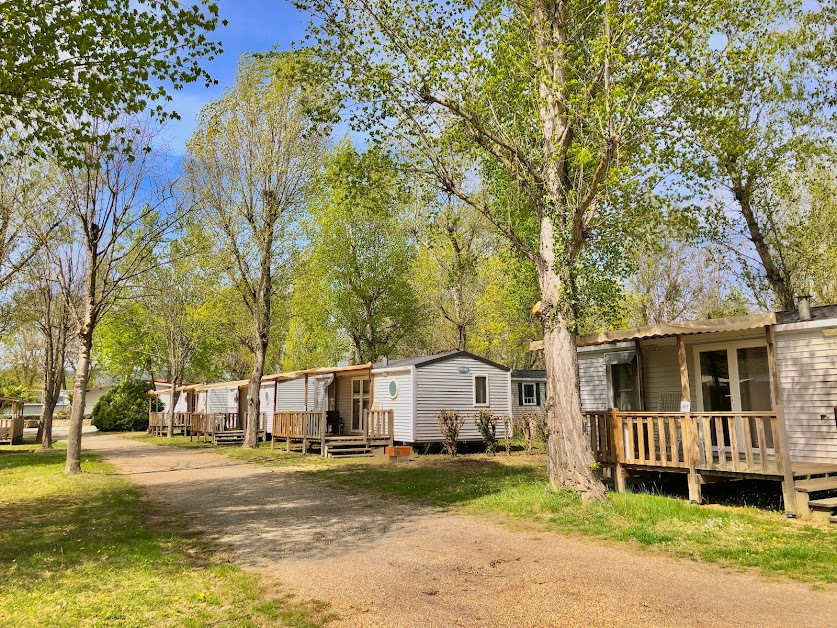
x: 124, y: 407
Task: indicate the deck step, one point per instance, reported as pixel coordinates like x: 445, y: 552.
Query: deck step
x: 817, y: 484
x: 833, y: 519
x: 337, y: 454
x: 829, y: 503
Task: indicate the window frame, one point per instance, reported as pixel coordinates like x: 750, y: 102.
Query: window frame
x: 474, y: 390
x: 533, y: 400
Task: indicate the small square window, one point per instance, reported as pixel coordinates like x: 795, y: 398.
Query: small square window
x: 480, y: 390
x: 529, y: 396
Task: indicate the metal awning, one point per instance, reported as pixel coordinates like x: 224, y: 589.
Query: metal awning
x: 662, y: 330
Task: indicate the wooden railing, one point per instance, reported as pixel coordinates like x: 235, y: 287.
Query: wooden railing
x: 736, y: 442
x: 199, y: 423
x: 11, y: 430
x: 379, y: 424
x: 306, y: 424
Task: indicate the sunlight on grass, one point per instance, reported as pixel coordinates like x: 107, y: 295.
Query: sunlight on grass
x: 80, y: 551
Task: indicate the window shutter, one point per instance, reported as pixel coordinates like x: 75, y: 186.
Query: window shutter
x: 537, y: 393
x: 520, y: 393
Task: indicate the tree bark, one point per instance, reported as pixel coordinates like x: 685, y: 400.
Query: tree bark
x: 251, y: 434
x: 85, y: 345
x: 172, y: 402
x: 570, y: 461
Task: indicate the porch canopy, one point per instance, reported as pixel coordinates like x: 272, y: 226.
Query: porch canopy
x: 321, y: 370
x: 661, y: 330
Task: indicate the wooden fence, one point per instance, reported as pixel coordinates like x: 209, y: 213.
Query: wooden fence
x: 727, y: 442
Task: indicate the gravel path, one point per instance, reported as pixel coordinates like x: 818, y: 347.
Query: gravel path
x: 386, y: 563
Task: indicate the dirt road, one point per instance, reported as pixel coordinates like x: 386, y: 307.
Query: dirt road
x: 387, y: 563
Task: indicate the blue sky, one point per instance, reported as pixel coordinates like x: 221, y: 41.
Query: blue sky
x: 253, y: 25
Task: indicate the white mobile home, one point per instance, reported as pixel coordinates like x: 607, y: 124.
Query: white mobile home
x: 528, y: 391
x: 738, y: 397
x: 416, y: 388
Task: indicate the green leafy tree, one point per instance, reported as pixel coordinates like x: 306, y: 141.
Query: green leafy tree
x: 67, y: 64
x: 250, y: 164
x: 124, y: 408
x: 563, y: 98
x: 117, y: 214
x: 363, y: 252
x: 755, y: 112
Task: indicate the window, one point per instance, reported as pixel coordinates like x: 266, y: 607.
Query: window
x: 480, y: 390
x: 529, y: 397
x: 624, y: 387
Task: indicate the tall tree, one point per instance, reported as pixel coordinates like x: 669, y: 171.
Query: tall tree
x: 362, y: 249
x: 454, y: 244
x: 755, y: 108
x: 65, y: 65
x: 562, y: 97
x: 117, y: 214
x: 250, y: 163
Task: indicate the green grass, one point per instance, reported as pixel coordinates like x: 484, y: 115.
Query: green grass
x: 85, y: 550
x: 515, y: 490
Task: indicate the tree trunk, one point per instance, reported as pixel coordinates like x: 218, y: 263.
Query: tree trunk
x: 172, y: 402
x: 570, y: 461
x: 251, y: 434
x: 85, y: 346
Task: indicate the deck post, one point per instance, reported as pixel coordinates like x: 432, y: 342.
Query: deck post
x: 323, y: 432
x: 391, y: 426
x: 618, y: 450
x: 783, y: 459
x: 687, y: 427
x: 690, y: 452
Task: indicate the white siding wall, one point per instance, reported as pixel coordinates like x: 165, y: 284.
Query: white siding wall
x: 592, y: 375
x: 290, y: 395
x: 807, y: 363
x: 662, y: 372
x: 519, y: 410
x: 441, y: 386
x: 218, y: 400
x: 402, y: 405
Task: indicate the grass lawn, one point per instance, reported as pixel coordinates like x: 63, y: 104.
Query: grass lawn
x: 515, y: 490
x: 83, y: 550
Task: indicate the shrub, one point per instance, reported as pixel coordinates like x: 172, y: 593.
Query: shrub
x: 508, y: 430
x: 450, y: 423
x: 533, y: 425
x: 124, y: 407
x: 486, y: 423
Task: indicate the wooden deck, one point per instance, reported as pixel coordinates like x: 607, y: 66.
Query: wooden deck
x: 311, y: 430
x: 220, y: 428
x: 706, y: 445
x: 11, y: 430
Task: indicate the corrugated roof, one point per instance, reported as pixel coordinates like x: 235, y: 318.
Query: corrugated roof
x: 731, y: 323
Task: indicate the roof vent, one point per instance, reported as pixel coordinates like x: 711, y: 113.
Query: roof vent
x: 804, y: 306
x: 385, y: 360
